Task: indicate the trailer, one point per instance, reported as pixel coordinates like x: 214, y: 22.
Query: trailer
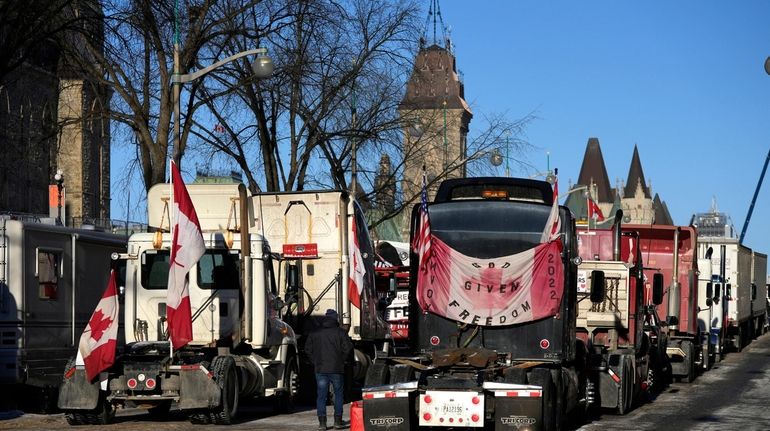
x: 326, y: 256
x: 614, y: 318
x: 510, y: 363
x: 734, y: 289
x: 240, y: 347
x: 51, y: 278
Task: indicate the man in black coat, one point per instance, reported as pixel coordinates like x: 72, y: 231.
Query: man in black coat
x: 328, y: 347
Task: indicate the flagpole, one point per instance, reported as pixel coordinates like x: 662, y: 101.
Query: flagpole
x: 588, y: 206
x: 171, y: 233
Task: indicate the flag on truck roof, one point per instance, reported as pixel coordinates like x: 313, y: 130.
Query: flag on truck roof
x: 422, y: 244
x: 552, y: 228
x: 187, y: 247
x: 99, y: 340
x: 594, y: 211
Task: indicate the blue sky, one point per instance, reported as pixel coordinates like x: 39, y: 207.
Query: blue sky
x: 683, y: 80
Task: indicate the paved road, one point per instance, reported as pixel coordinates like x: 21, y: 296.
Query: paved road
x: 734, y: 395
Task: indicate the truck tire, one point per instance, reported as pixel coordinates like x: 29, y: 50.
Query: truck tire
x: 626, y: 389
x: 402, y: 373
x: 542, y: 377
x: 226, y: 376
x: 103, y: 414
x: 284, y: 400
x: 377, y: 374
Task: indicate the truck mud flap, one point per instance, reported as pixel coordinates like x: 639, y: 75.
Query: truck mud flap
x: 197, y: 390
x: 77, y: 393
x: 387, y: 408
x: 519, y: 409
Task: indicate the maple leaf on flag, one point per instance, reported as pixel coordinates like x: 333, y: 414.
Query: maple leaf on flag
x: 98, y: 324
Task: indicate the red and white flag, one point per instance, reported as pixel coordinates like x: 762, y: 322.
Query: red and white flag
x: 497, y: 291
x: 357, y: 268
x: 594, y: 210
x: 553, y: 226
x: 100, y: 338
x: 187, y: 248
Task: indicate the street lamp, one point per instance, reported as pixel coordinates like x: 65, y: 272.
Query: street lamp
x: 59, y: 178
x: 262, y: 67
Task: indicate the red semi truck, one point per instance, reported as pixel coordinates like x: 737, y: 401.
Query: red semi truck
x: 671, y: 251
x: 614, y: 319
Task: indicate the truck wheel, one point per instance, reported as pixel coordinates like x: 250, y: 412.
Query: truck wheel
x: 226, y: 375
x: 284, y: 400
x: 542, y: 377
x: 402, y: 373
x: 626, y: 389
x: 377, y: 374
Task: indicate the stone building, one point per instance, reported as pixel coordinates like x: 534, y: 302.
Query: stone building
x: 634, y: 197
x: 52, y: 117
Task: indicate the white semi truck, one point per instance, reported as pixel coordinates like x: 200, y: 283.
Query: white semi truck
x: 240, y: 347
x: 325, y: 247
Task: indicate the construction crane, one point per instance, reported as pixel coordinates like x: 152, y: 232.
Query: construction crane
x: 754, y: 199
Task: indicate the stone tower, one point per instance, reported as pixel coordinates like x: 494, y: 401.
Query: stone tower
x: 637, y: 200
x: 84, y: 129
x: 436, y: 118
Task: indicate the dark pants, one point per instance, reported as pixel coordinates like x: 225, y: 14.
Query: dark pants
x: 322, y: 390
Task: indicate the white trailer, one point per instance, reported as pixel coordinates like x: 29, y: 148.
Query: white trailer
x: 240, y: 347
x: 313, y: 230
x: 51, y: 278
x: 735, y: 289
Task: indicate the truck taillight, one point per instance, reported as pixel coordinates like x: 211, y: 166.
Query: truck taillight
x: 475, y: 417
x: 427, y: 417
x: 475, y: 400
x: 150, y: 383
x: 427, y: 399
x: 131, y: 383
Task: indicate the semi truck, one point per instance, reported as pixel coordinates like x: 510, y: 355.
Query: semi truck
x: 671, y: 251
x: 710, y: 310
x: 327, y: 262
x: 240, y: 347
x: 614, y: 318
x: 488, y: 357
x: 51, y: 278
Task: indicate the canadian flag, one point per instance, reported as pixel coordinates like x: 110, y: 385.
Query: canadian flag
x: 594, y: 210
x: 187, y: 247
x: 100, y: 338
x: 357, y: 269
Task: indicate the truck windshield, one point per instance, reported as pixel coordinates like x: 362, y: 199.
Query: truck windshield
x: 216, y: 269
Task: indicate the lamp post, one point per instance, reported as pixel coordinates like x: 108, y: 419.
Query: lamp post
x: 59, y: 178
x: 262, y: 68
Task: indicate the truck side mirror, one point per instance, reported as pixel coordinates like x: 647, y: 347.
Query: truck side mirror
x: 657, y: 289
x: 597, y: 286
x: 717, y: 289
x: 292, y: 283
x: 729, y: 290
x: 709, y: 294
